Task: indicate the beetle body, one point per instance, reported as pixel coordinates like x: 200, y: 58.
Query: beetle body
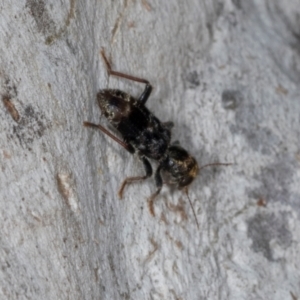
x: 146, y: 135
x: 137, y: 125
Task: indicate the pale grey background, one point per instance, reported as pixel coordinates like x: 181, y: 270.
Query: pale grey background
x: 227, y: 73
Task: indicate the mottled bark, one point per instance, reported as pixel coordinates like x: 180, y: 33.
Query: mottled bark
x: 227, y: 74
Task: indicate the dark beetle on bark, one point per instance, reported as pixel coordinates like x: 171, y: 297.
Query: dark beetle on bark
x: 147, y: 136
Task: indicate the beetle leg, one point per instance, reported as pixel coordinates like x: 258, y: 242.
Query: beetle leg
x: 127, y: 146
x: 159, y: 184
x: 148, y: 88
x: 176, y: 143
x: 169, y: 125
x: 145, y: 95
x: 130, y: 180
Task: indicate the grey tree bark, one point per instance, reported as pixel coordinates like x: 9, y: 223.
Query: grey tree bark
x: 227, y: 73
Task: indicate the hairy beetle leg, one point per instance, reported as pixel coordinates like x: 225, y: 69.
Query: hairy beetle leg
x: 130, y: 180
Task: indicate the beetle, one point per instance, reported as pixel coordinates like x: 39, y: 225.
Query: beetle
x: 143, y: 133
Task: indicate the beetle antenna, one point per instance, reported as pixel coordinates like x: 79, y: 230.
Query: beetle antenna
x: 187, y: 193
x: 215, y: 164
